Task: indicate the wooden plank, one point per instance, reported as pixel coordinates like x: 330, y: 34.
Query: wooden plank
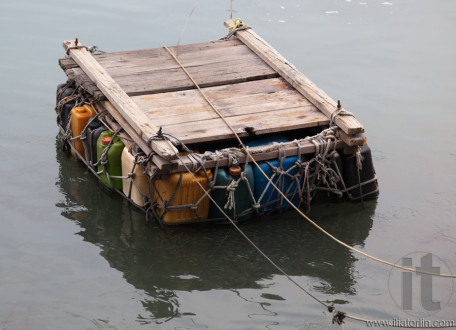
x: 155, y: 71
x: 307, y: 147
x: 266, y: 122
x: 352, y: 140
x: 115, y: 58
x: 220, y: 56
x: 129, y: 142
x: 159, y: 81
x: 190, y: 50
x: 231, y: 100
x: 106, y: 105
x: 151, y: 81
x: 298, y: 80
x: 126, y: 107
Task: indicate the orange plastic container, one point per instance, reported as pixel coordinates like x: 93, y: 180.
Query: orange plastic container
x: 189, y: 192
x: 79, y: 118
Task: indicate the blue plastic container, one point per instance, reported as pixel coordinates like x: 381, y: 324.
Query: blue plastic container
x: 242, y: 199
x: 271, y: 198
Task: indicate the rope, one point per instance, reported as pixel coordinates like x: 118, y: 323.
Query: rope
x: 186, y: 22
x: 238, y: 26
x: 337, y: 316
x: 329, y: 307
x: 339, y: 112
x: 93, y: 49
x: 280, y: 192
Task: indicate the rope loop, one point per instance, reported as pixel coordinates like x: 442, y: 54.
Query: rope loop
x: 339, y: 112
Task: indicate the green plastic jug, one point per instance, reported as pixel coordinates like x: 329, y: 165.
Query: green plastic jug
x: 242, y: 198
x: 114, y: 165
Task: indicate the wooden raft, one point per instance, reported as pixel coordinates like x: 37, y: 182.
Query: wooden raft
x: 253, y: 86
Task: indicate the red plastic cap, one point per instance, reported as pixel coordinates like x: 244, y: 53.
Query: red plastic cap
x: 235, y: 170
x: 106, y: 140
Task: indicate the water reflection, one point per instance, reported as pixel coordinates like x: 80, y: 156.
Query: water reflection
x: 163, y: 260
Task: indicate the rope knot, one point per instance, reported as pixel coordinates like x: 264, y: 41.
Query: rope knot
x: 237, y: 24
x: 231, y: 189
x: 158, y: 136
x: 338, y: 317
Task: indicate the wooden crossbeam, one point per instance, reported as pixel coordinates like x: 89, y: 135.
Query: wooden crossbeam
x: 304, y: 85
x: 307, y: 147
x: 119, y: 99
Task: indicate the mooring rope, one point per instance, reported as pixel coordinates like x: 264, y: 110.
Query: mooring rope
x: 338, y: 316
x: 330, y: 307
x: 286, y: 199
x: 195, y: 4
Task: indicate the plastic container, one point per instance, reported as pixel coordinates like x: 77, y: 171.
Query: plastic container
x: 350, y: 174
x: 271, y: 198
x: 61, y: 93
x: 93, y: 131
x: 138, y: 186
x: 189, y: 192
x: 65, y: 114
x: 65, y: 110
x: 242, y: 199
x: 114, y: 165
x: 79, y: 118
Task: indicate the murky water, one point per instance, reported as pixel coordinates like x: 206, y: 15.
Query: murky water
x: 76, y: 257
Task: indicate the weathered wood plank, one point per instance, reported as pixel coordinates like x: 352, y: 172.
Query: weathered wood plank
x: 307, y: 147
x: 128, y: 55
x: 126, y: 107
x: 352, y: 140
x: 131, y: 66
x: 298, y: 80
x: 251, y: 97
x: 149, y: 82
x: 267, y: 122
x: 154, y: 71
x: 106, y: 105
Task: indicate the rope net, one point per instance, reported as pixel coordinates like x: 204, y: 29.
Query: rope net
x: 302, y: 178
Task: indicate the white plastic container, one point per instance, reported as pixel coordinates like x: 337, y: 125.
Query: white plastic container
x: 139, y: 185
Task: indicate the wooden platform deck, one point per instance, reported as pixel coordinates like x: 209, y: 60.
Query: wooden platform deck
x: 253, y: 86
